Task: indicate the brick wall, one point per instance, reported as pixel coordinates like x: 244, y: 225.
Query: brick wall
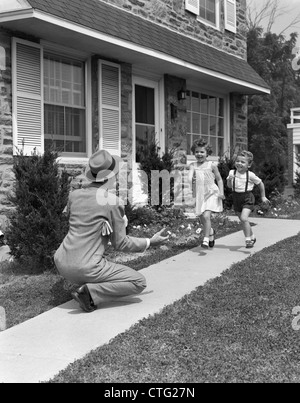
x: 172, y: 14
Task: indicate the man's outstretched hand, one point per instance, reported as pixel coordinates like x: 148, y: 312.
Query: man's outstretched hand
x: 158, y: 239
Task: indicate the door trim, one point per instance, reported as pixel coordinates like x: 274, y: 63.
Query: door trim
x: 159, y: 111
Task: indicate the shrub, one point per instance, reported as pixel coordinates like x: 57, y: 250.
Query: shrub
x: 37, y: 225
x: 141, y: 215
x: 226, y: 164
x: 146, y: 216
x: 272, y: 174
x: 297, y: 185
x: 150, y: 161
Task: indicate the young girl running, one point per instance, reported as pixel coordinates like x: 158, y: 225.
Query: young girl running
x: 209, y: 195
x: 241, y: 180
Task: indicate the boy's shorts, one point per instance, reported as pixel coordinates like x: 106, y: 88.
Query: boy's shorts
x: 243, y: 200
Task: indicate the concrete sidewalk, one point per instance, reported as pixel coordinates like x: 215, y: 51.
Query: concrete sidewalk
x: 38, y: 349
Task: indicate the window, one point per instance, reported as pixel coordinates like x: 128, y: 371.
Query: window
x: 210, y: 13
x: 51, y: 99
x: 206, y: 119
x: 144, y: 118
x: 208, y: 10
x: 64, y: 105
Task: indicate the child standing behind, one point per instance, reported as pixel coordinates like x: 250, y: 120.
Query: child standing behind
x: 209, y: 196
x: 242, y: 182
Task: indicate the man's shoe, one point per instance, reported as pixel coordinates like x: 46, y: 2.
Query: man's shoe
x: 83, y: 297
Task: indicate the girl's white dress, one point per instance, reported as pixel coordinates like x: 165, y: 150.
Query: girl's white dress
x: 207, y: 190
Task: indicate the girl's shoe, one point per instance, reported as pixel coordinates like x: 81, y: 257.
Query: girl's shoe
x: 250, y: 243
x: 205, y: 244
x: 212, y: 240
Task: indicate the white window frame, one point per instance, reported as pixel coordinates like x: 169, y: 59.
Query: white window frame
x: 208, y: 23
x: 226, y: 97
x: 58, y: 50
x: 146, y: 79
x: 151, y: 84
x: 140, y: 77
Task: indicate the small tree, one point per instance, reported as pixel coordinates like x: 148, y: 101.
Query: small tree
x: 37, y: 225
x: 272, y: 174
x: 226, y: 164
x: 150, y: 161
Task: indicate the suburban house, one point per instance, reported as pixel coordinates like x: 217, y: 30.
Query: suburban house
x: 110, y: 74
x: 293, y: 145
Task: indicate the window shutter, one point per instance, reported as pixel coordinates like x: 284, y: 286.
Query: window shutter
x: 2, y: 59
x: 110, y: 107
x: 230, y: 15
x: 28, y: 113
x: 193, y: 6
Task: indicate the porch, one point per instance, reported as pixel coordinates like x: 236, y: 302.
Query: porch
x: 293, y: 145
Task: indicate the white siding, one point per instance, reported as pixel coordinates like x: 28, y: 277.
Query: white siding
x: 296, y: 135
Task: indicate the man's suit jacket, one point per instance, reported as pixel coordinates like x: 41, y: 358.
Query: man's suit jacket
x: 80, y: 256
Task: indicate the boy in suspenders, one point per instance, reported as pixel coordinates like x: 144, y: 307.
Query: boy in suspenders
x: 242, y: 181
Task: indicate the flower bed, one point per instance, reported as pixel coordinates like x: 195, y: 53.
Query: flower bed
x: 185, y: 232
x: 280, y: 207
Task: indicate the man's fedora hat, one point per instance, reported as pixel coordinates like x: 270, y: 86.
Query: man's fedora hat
x: 102, y: 166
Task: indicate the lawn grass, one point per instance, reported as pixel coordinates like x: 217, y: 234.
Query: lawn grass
x: 26, y: 293
x: 236, y: 328
x: 31, y: 295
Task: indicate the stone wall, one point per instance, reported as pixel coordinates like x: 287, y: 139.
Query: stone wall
x: 6, y: 141
x: 172, y: 14
x: 238, y: 121
x: 126, y: 113
x: 175, y: 114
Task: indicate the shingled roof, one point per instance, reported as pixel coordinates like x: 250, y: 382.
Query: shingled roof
x: 115, y: 22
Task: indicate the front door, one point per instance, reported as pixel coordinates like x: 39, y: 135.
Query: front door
x: 146, y: 127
